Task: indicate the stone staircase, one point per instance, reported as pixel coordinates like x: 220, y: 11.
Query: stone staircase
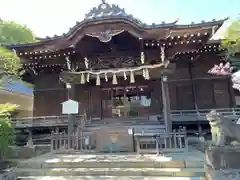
x: 79, y: 166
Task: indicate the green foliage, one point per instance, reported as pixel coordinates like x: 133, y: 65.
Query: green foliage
x: 232, y: 39
x: 7, y: 134
x: 11, y: 33
x: 7, y: 108
x: 9, y: 64
x: 7, y: 137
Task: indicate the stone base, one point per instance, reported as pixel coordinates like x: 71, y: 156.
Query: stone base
x: 220, y: 158
x: 26, y: 152
x: 222, y: 163
x: 222, y: 174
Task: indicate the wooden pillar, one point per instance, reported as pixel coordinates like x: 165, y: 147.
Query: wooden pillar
x: 30, y: 140
x: 71, y: 117
x: 165, y: 95
x: 232, y: 94
x: 194, y: 93
x: 56, y: 130
x: 166, y: 104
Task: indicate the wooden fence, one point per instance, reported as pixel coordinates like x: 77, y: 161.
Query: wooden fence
x: 162, y: 142
x: 145, y: 143
x: 8, y: 175
x: 76, y: 141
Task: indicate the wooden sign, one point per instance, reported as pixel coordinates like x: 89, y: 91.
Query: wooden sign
x: 70, y: 107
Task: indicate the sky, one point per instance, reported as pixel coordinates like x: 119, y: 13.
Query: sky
x: 49, y: 17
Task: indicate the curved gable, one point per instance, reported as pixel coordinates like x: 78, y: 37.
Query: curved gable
x: 107, y: 17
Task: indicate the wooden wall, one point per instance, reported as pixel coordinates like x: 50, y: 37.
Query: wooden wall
x: 186, y: 90
x: 49, y: 93
x: 90, y: 96
x: 192, y: 87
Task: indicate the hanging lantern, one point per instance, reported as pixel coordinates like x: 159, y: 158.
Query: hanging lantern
x: 88, y: 77
x: 114, y: 81
x: 147, y: 74
x: 124, y: 75
x: 142, y: 58
x: 132, y: 79
x: 106, y: 77
x: 82, y: 79
x: 98, y: 82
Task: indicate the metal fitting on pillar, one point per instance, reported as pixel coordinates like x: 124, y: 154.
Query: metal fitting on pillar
x: 164, y: 78
x: 68, y: 86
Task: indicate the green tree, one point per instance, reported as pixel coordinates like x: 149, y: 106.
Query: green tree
x: 11, y: 33
x: 7, y: 133
x: 10, y: 68
x: 232, y: 39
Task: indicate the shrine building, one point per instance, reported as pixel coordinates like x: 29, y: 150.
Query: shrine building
x: 119, y: 68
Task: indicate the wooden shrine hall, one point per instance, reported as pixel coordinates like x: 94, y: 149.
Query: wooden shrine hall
x: 116, y: 66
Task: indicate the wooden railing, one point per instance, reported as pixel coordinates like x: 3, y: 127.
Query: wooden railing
x: 43, y: 121
x: 177, y: 115
x: 8, y: 175
x: 203, y: 112
x: 162, y: 142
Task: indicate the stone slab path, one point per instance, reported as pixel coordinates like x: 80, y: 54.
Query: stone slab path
x: 76, y: 165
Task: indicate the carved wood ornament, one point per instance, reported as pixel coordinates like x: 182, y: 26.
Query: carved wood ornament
x: 105, y: 36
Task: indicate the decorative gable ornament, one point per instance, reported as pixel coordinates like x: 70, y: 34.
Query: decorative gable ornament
x: 105, y: 10
x: 70, y: 107
x: 105, y: 36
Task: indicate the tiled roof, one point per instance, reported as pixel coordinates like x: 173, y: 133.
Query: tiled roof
x: 18, y: 87
x: 219, y: 35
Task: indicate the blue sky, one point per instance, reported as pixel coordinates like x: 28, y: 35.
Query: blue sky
x: 49, y: 17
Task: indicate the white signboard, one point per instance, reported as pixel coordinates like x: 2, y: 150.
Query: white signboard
x: 87, y: 141
x: 238, y: 121
x: 70, y: 107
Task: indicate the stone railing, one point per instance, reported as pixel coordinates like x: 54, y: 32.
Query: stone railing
x: 177, y: 115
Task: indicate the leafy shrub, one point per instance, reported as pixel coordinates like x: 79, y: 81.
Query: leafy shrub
x: 7, y: 133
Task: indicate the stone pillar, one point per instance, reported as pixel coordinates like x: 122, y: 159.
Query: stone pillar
x: 30, y: 141
x: 166, y: 104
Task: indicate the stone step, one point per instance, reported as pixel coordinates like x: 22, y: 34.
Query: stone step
x: 118, y: 164
x: 172, y: 172
x: 112, y: 161
x: 108, y: 178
